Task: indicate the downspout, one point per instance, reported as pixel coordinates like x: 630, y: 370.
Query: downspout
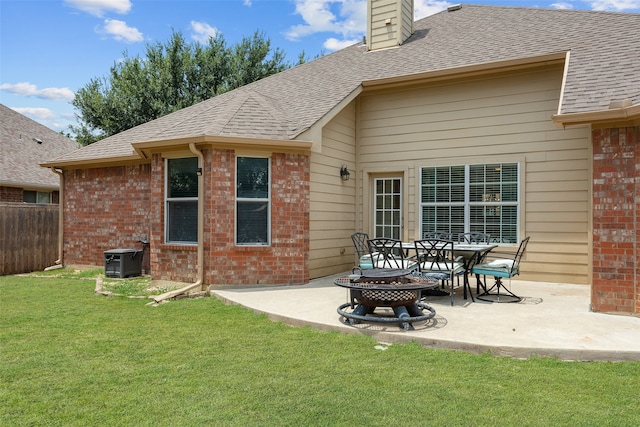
x: 200, y: 274
x: 59, y: 262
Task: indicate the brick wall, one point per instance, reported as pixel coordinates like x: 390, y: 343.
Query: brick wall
x: 10, y: 194
x: 286, y: 261
x: 105, y: 208
x: 111, y: 208
x: 616, y: 219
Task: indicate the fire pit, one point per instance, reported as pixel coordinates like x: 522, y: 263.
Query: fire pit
x: 395, y: 288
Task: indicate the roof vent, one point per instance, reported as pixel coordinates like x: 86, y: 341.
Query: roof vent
x: 39, y: 141
x: 454, y: 7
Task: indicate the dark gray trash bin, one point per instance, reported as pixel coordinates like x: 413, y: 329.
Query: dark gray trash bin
x: 123, y: 263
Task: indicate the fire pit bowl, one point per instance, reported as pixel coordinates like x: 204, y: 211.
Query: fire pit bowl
x: 398, y: 289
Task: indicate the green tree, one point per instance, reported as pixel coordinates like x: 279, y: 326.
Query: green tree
x: 171, y: 76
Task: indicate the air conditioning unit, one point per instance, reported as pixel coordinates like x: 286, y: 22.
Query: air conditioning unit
x: 123, y: 263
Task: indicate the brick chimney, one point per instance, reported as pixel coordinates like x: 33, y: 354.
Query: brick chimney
x: 389, y: 23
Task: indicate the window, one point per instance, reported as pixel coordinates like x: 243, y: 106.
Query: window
x: 36, y: 196
x: 471, y: 198
x: 181, y: 213
x: 253, y: 205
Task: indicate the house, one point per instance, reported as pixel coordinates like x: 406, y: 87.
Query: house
x: 24, y: 144
x: 517, y: 121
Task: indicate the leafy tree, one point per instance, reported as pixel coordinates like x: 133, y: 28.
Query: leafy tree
x: 171, y: 76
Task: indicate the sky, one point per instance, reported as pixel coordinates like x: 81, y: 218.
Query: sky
x: 51, y: 48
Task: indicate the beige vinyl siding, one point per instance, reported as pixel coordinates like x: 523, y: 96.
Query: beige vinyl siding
x: 406, y: 29
x: 382, y: 35
x: 499, y: 118
x: 332, y: 200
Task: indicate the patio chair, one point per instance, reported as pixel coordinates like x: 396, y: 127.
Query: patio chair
x: 501, y: 265
x: 435, y: 258
x: 361, y: 244
x: 474, y: 238
x: 389, y: 253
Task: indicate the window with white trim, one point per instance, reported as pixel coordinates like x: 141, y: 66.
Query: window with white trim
x: 471, y: 198
x: 253, y: 201
x: 181, y: 200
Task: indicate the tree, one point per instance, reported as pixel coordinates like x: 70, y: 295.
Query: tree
x: 172, y: 76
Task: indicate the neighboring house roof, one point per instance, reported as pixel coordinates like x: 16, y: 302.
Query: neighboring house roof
x: 24, y: 144
x: 603, y: 66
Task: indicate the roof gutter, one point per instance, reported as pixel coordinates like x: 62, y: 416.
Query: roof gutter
x: 145, y: 149
x: 200, y: 274
x: 619, y: 111
x: 469, y: 70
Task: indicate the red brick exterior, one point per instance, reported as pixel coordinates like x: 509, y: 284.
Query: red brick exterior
x: 109, y: 208
x: 105, y: 208
x: 616, y: 219
x: 285, y: 261
x: 10, y: 194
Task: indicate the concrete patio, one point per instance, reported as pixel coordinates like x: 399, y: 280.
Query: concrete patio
x: 552, y: 320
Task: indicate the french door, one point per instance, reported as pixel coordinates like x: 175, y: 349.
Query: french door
x: 388, y: 207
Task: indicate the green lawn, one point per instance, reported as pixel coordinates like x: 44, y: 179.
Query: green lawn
x: 69, y: 357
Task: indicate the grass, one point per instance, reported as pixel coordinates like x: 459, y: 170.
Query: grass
x: 70, y: 357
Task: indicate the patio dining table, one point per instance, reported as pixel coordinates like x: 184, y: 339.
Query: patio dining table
x: 472, y: 254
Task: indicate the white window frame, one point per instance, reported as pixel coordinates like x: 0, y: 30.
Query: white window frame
x: 168, y: 200
x: 467, y: 204
x: 386, y: 209
x: 253, y: 200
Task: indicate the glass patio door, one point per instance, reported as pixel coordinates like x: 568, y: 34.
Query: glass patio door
x: 388, y: 207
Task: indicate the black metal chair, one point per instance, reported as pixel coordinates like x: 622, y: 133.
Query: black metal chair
x: 389, y: 253
x: 365, y: 255
x: 360, y: 240
x: 501, y: 265
x: 435, y: 258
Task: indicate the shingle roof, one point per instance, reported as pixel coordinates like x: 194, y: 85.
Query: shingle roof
x: 24, y: 144
x: 604, y: 65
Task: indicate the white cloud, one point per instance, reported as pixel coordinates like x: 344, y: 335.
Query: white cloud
x: 99, y: 7
x: 347, y: 18
x: 614, y: 5
x: 29, y: 89
x: 562, y: 5
x: 332, y: 44
x: 202, y: 31
x: 344, y: 17
x: 424, y: 8
x: 48, y: 118
x: 121, y: 32
x: 36, y: 113
x: 247, y: 3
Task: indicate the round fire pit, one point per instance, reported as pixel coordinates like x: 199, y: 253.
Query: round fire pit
x: 397, y: 289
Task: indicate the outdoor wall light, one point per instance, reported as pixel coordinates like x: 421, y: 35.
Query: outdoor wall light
x: 344, y: 173
x: 199, y: 171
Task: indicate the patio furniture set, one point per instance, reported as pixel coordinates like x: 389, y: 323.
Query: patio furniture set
x: 398, y: 275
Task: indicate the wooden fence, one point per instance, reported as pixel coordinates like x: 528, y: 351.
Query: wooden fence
x: 28, y: 237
